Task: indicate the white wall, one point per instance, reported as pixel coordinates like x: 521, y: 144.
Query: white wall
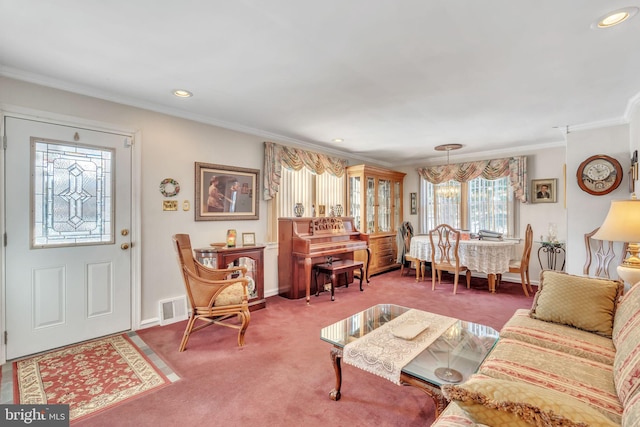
x: 588, y: 211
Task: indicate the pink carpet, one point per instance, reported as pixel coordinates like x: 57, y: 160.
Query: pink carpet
x: 283, y: 374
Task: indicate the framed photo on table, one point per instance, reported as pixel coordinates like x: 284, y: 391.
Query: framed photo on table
x: 248, y: 239
x: 544, y: 190
x: 225, y: 192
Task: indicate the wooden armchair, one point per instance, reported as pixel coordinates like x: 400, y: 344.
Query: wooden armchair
x: 215, y: 295
x: 444, y: 255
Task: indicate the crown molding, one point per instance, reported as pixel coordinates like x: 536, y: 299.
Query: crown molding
x: 175, y: 112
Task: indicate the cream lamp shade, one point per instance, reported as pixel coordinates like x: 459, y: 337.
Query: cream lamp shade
x: 622, y: 224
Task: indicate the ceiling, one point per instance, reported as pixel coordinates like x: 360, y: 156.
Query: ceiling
x: 393, y: 78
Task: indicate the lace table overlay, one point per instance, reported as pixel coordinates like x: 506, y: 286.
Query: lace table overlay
x: 382, y: 353
x: 485, y: 256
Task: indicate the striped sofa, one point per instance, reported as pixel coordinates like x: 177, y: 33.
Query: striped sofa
x: 573, y: 359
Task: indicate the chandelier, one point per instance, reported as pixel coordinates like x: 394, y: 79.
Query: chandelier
x: 448, y: 190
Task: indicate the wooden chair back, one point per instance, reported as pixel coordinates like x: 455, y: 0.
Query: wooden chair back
x: 600, y: 253
x: 522, y: 265
x: 445, y: 241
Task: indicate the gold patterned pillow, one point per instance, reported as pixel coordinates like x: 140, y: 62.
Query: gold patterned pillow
x: 585, y: 303
x: 506, y: 403
x: 231, y: 295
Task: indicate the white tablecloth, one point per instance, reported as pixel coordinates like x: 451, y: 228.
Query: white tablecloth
x: 485, y: 256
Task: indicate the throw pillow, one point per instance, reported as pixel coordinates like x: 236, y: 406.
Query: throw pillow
x: 509, y: 403
x: 231, y: 295
x: 585, y: 303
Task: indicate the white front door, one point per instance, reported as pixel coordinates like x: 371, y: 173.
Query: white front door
x: 68, y: 216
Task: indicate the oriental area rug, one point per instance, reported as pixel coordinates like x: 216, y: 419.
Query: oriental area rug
x: 91, y: 376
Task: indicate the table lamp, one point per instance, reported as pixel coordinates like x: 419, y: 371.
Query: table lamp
x: 622, y: 224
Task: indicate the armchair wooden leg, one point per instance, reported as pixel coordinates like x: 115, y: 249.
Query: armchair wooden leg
x: 468, y: 279
x: 246, y: 318
x: 529, y: 281
x: 433, y: 280
x: 187, y: 333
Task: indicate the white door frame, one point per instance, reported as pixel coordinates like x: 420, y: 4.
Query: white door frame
x: 136, y: 217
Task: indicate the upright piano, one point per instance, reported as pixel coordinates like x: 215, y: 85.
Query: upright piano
x: 303, y: 242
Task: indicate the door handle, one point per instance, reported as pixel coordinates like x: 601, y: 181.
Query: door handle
x: 124, y: 246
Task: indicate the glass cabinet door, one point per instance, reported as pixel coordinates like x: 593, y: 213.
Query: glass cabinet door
x: 396, y: 205
x: 384, y: 205
x: 371, y: 203
x: 355, y: 195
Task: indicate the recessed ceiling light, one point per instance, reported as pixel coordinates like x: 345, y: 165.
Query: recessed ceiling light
x: 181, y: 93
x: 616, y: 17
x: 337, y: 140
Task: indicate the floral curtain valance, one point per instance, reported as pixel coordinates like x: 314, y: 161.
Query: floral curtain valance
x: 513, y: 167
x: 276, y: 156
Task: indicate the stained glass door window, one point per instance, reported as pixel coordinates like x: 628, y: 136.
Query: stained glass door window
x: 72, y: 194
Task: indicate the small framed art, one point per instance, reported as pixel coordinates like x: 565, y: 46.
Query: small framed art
x: 544, y: 190
x: 248, y: 239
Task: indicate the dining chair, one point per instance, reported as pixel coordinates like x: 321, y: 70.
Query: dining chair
x: 522, y: 265
x: 445, y: 256
x: 403, y: 241
x: 600, y: 253
x: 216, y: 296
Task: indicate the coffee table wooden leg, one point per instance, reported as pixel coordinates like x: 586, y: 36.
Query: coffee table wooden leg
x: 336, y: 357
x: 432, y: 391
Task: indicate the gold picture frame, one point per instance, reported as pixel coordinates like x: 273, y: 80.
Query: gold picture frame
x: 544, y: 190
x: 226, y: 192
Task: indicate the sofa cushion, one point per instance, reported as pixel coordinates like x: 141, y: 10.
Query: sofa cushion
x: 627, y: 314
x: 585, y: 303
x: 455, y: 416
x: 586, y: 380
x: 626, y: 364
x: 631, y: 414
x: 559, y: 337
x: 510, y: 403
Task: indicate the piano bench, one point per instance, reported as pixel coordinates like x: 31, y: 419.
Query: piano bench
x: 336, y: 268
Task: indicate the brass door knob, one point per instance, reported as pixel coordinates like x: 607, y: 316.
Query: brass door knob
x: 124, y: 246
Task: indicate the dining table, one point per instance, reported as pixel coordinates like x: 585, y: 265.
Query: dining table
x: 485, y: 256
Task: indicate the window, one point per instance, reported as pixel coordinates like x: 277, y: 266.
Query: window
x: 480, y: 204
x: 308, y: 188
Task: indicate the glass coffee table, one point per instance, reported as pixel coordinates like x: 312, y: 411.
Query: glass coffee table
x: 450, y: 359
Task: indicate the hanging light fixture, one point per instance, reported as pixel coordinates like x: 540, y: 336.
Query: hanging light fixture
x: 449, y: 189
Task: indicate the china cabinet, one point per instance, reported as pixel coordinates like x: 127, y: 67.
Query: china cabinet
x: 251, y: 257
x: 375, y: 202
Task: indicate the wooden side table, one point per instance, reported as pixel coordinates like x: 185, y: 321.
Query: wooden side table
x: 336, y: 268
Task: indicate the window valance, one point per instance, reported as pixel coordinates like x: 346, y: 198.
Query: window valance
x: 513, y: 167
x: 276, y: 156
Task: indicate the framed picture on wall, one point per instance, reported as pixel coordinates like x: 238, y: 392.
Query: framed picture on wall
x: 225, y: 192
x: 544, y: 190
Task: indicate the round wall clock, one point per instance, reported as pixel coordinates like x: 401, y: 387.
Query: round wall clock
x: 599, y: 175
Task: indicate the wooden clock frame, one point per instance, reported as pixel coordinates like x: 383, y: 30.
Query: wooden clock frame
x: 618, y: 172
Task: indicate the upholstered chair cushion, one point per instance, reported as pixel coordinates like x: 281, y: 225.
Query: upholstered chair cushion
x: 585, y: 303
x: 231, y: 295
x: 509, y: 403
